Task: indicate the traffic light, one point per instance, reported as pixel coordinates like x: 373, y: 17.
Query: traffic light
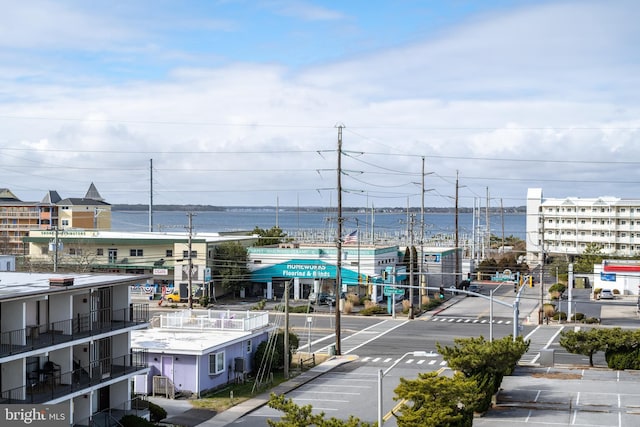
x: 384, y: 275
x: 515, y: 287
x: 441, y: 292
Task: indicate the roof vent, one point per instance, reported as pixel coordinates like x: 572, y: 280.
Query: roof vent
x: 61, y: 281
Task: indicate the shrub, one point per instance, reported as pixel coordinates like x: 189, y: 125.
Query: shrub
x: 558, y: 287
x: 135, y: 421
x: 276, y: 359
x: 432, y: 304
x: 578, y: 317
x: 549, y: 310
x: 156, y: 413
x: 259, y: 305
x: 373, y: 310
x: 368, y: 303
x: 616, y: 291
x: 406, y: 305
x: 353, y: 299
x: 560, y: 315
x: 591, y: 320
x: 347, y: 307
x: 204, y: 301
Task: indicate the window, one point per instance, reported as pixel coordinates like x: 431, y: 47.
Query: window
x: 74, y: 251
x: 99, y: 252
x: 135, y: 252
x: 64, y: 208
x: 65, y: 222
x: 216, y: 363
x: 249, y: 346
x: 169, y: 253
x: 185, y: 254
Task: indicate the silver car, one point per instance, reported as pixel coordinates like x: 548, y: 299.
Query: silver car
x: 606, y: 294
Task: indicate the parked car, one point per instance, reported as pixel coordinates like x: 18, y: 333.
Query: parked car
x: 605, y: 294
x: 322, y: 298
x: 474, y: 288
x: 174, y: 296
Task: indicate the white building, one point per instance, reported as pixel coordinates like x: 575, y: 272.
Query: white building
x: 566, y: 226
x: 621, y: 275
x: 66, y: 340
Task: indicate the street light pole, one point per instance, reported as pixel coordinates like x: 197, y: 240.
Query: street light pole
x: 382, y: 373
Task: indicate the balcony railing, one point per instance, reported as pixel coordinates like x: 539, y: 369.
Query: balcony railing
x: 45, y: 387
x: 35, y: 337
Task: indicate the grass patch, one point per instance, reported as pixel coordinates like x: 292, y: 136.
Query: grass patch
x: 220, y: 400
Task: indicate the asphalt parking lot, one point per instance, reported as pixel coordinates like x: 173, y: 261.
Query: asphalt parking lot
x: 561, y: 396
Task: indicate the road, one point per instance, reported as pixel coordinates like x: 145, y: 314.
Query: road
x: 379, y: 342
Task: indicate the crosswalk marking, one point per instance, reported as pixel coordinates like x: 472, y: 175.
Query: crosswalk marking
x: 387, y: 360
x: 466, y: 320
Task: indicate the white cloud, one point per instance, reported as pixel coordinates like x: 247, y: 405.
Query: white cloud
x: 543, y: 85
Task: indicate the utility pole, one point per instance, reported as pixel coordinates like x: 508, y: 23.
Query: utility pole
x: 502, y: 219
x: 339, y: 242
x: 150, y: 195
x: 456, y: 280
x: 487, y: 231
x: 55, y: 251
x: 411, y: 267
x: 541, y: 312
x: 190, y: 265
x: 358, y: 240
x: 286, y: 329
x: 421, y: 277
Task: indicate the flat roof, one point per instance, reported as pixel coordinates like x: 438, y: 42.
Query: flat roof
x: 193, y: 342
x: 18, y: 285
x: 160, y: 237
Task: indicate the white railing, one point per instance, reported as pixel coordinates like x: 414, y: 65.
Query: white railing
x: 215, y: 319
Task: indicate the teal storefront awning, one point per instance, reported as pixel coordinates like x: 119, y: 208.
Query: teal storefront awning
x: 304, y: 269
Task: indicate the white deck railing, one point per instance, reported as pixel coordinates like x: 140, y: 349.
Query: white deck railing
x: 215, y: 320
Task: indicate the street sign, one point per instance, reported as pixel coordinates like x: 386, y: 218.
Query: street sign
x: 389, y: 290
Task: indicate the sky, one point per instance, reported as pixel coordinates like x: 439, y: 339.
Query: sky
x: 249, y: 102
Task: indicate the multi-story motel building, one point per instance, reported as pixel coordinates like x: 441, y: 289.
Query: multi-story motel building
x: 365, y: 269
x: 163, y: 256
x: 564, y: 227
x: 65, y: 339
x: 18, y: 218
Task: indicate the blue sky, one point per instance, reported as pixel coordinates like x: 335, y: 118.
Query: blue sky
x: 236, y: 102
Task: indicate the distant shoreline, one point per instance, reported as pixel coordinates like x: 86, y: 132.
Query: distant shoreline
x: 211, y: 208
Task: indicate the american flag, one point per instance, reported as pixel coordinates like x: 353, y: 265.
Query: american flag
x: 352, y: 237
